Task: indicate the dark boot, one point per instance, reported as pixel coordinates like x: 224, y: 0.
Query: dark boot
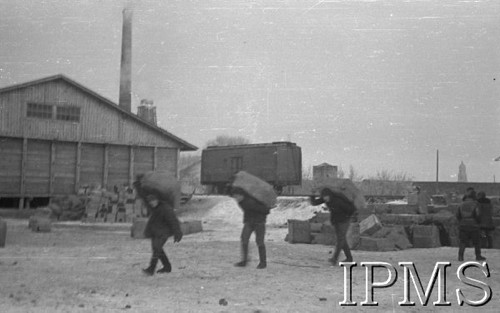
x: 152, y: 265
x: 167, y: 267
x: 347, y: 252
x: 262, y: 257
x: 461, y: 251
x: 244, y: 256
x: 479, y: 257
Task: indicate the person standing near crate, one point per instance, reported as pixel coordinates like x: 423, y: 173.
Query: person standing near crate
x: 468, y: 225
x: 254, y: 220
x: 341, y: 210
x: 486, y: 218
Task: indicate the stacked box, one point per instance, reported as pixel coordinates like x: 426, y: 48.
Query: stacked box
x: 426, y: 236
x: 323, y: 239
x: 398, y: 236
x: 299, y: 231
x: 316, y: 227
x: 450, y: 224
x: 376, y: 244
x: 369, y: 225
x: 327, y: 236
x: 327, y: 229
x: 403, y: 219
x: 404, y: 209
x: 380, y: 209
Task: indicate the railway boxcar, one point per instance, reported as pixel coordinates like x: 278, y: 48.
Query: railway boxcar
x: 278, y: 163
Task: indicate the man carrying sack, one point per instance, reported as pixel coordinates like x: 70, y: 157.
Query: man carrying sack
x: 342, y: 198
x: 161, y: 193
x: 255, y: 197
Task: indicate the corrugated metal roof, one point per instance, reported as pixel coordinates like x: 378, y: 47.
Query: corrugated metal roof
x: 185, y: 146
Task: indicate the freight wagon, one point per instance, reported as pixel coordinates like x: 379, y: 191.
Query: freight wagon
x: 278, y: 163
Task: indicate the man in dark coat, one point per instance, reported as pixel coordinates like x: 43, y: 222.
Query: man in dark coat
x: 468, y: 225
x: 486, y: 217
x: 162, y: 224
x: 254, y: 220
x: 341, y: 210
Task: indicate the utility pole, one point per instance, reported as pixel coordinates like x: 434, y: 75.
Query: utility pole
x: 437, y: 171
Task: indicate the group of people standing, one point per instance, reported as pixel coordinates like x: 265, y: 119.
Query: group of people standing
x: 475, y: 223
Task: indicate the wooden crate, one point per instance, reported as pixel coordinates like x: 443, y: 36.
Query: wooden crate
x: 369, y: 225
x: 299, y: 231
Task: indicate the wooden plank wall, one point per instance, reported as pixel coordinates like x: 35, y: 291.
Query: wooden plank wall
x: 92, y: 165
x: 64, y: 167
x: 166, y: 160
x: 39, y: 168
x: 143, y: 160
x: 10, y: 165
x: 118, y: 166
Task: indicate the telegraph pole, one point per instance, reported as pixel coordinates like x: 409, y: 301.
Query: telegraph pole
x: 437, y: 171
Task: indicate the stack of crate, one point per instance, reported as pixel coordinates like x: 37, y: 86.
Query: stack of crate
x: 426, y: 236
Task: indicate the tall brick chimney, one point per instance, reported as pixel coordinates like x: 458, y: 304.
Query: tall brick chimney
x: 125, y: 100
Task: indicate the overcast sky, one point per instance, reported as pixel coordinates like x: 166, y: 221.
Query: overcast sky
x: 379, y: 85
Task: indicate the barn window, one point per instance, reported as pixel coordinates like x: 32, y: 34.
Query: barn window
x: 68, y: 113
x: 39, y: 110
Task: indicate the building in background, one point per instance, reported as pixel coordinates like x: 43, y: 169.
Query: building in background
x: 57, y: 135
x: 462, y: 173
x: 324, y: 171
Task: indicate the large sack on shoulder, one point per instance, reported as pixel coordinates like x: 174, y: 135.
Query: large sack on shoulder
x: 162, y: 184
x: 256, y: 187
x: 345, y: 186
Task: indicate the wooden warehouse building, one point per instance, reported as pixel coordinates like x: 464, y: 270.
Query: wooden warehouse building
x: 57, y: 135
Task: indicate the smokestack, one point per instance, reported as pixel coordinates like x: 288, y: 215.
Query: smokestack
x: 125, y: 100
x: 147, y: 111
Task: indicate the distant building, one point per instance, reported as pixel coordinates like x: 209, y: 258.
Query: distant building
x: 57, y: 136
x: 324, y: 171
x: 462, y: 173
